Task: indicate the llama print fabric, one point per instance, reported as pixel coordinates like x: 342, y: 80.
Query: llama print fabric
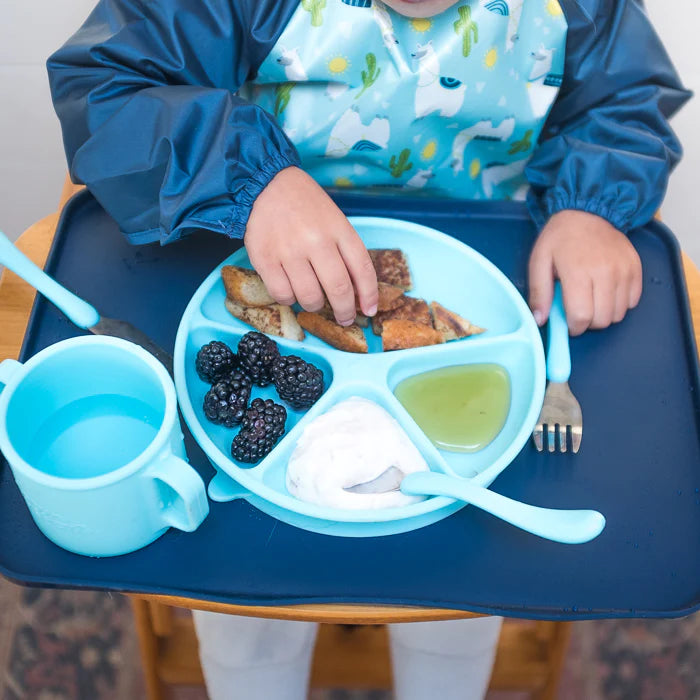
x: 452, y: 105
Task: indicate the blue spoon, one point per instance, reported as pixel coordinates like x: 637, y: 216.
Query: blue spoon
x: 567, y: 526
x: 78, y: 311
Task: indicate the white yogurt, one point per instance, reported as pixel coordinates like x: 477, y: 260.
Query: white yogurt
x: 350, y: 444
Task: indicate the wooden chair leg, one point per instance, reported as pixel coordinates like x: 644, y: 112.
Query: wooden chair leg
x: 161, y: 618
x: 558, y: 646
x: 149, y: 648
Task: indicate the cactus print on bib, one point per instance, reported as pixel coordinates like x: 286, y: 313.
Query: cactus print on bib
x: 451, y: 105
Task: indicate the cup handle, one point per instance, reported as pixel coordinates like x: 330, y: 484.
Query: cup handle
x: 188, y: 485
x: 8, y: 368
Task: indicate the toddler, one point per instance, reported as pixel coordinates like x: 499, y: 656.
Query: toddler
x: 236, y: 115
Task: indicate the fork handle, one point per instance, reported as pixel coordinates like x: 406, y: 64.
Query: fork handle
x: 558, y: 357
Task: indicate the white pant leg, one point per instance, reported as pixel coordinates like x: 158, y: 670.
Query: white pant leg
x: 450, y: 660
x: 246, y: 658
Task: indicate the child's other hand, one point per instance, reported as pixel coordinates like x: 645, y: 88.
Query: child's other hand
x: 599, y: 269
x: 303, y: 246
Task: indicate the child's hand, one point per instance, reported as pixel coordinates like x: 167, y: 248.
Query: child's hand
x: 302, y: 245
x: 599, y: 269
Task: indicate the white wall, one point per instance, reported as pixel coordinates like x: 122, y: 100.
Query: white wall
x: 676, y: 22
x: 32, y: 164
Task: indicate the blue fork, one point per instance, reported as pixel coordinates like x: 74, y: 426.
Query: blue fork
x: 561, y: 413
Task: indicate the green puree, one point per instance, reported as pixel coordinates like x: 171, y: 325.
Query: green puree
x: 460, y: 408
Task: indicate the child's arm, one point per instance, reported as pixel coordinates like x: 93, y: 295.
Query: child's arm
x: 151, y: 124
x: 606, y: 153
x: 144, y: 92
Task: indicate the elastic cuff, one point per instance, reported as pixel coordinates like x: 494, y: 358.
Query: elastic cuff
x: 243, y: 204
x: 556, y: 202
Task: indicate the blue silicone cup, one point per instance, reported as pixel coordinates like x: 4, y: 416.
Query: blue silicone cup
x: 443, y: 270
x: 90, y: 430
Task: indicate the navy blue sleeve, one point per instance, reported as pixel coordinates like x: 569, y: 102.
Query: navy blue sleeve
x: 145, y: 92
x: 607, y: 147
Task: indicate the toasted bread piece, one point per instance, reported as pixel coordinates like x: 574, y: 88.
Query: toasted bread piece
x: 399, y: 334
x: 347, y: 338
x: 361, y: 320
x: 391, y: 267
x: 273, y: 319
x: 450, y: 324
x: 390, y: 296
x: 245, y: 286
x: 410, y: 309
x: 327, y: 313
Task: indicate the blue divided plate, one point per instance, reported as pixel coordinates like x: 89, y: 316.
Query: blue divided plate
x: 444, y: 270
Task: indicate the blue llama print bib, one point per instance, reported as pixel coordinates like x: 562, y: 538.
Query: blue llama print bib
x: 452, y: 105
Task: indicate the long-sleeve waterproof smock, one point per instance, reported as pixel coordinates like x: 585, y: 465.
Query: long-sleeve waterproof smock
x: 150, y: 98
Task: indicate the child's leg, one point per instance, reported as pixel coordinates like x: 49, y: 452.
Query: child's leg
x: 449, y: 660
x: 249, y: 657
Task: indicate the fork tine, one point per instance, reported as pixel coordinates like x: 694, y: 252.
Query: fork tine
x: 551, y: 437
x: 537, y: 435
x: 576, y: 435
x: 563, y: 437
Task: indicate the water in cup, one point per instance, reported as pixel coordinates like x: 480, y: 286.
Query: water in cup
x: 94, y: 435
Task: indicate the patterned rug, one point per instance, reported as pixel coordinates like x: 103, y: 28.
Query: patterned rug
x: 72, y: 645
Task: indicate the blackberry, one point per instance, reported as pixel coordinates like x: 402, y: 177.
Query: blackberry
x: 214, y: 361
x: 225, y: 403
x: 256, y: 353
x: 262, y: 426
x: 299, y: 383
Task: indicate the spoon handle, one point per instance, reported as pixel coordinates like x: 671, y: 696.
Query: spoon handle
x: 567, y: 526
x: 77, y: 310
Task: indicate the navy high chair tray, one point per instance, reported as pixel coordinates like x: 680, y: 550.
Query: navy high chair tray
x: 639, y: 462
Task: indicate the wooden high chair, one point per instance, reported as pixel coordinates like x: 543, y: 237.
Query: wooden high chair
x: 352, y: 649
